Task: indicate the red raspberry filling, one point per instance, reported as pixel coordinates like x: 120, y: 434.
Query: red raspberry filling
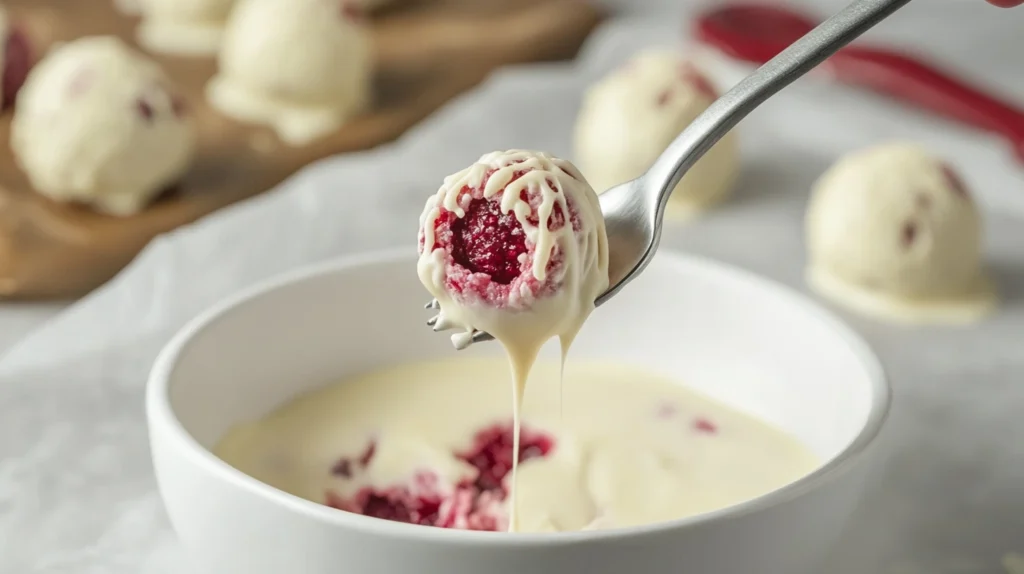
x: 17, y: 63
x: 700, y: 424
x: 350, y: 11
x: 689, y: 75
x: 955, y: 182
x: 488, y: 255
x: 488, y: 241
x: 474, y: 505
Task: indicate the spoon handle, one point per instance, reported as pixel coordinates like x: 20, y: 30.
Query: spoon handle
x: 795, y: 61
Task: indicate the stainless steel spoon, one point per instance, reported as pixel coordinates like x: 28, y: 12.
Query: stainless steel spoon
x: 634, y: 211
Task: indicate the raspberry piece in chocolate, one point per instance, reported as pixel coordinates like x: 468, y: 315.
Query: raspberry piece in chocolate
x: 345, y: 467
x: 473, y: 504
x: 489, y: 241
x: 954, y: 181
x: 664, y: 97
x: 17, y: 63
x: 144, y: 110
x: 689, y: 74
x: 705, y: 426
x: 397, y: 504
x: 908, y: 233
x: 492, y: 453
x: 350, y: 11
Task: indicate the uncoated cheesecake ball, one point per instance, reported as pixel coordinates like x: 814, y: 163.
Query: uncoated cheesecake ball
x: 99, y: 123
x: 302, y: 67
x: 893, y: 232
x: 630, y: 117
x: 186, y: 27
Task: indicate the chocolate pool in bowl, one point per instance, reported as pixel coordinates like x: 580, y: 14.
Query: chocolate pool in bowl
x: 738, y: 339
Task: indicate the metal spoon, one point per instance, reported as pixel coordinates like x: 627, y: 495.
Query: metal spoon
x: 634, y: 211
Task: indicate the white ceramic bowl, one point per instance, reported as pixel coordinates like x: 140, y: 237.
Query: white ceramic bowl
x: 734, y: 336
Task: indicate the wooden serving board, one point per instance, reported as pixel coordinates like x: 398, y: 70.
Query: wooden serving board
x: 427, y: 53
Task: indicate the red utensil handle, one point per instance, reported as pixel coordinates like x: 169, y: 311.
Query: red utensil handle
x: 912, y: 81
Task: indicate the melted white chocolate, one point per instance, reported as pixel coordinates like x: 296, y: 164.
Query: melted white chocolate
x: 629, y: 445
x: 527, y: 323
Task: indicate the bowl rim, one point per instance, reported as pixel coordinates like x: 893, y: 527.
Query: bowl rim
x: 159, y: 413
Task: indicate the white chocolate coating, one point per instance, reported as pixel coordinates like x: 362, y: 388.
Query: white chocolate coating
x: 628, y: 118
x: 96, y: 123
x: 528, y: 322
x: 185, y: 27
x: 629, y: 449
x: 892, y: 233
x: 303, y: 67
x: 585, y: 270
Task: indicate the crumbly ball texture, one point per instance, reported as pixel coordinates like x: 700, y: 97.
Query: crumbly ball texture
x: 629, y: 117
x: 303, y: 67
x: 515, y: 230
x: 100, y: 124
x: 895, y: 225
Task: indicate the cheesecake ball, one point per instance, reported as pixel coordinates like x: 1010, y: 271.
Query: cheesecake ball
x: 184, y: 27
x: 302, y: 67
x: 98, y: 123
x: 514, y: 245
x: 892, y: 232
x: 629, y: 117
x: 15, y: 58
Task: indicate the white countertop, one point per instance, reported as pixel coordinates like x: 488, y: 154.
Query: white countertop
x: 17, y: 320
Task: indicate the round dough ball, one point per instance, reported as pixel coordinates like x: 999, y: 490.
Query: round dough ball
x: 892, y: 232
x: 184, y: 27
x: 99, y: 123
x: 630, y: 117
x: 302, y: 67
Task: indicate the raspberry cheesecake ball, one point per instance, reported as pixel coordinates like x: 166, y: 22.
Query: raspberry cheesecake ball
x: 893, y: 232
x: 514, y: 245
x: 186, y: 27
x: 628, y: 119
x: 15, y: 58
x: 302, y: 67
x: 100, y: 124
